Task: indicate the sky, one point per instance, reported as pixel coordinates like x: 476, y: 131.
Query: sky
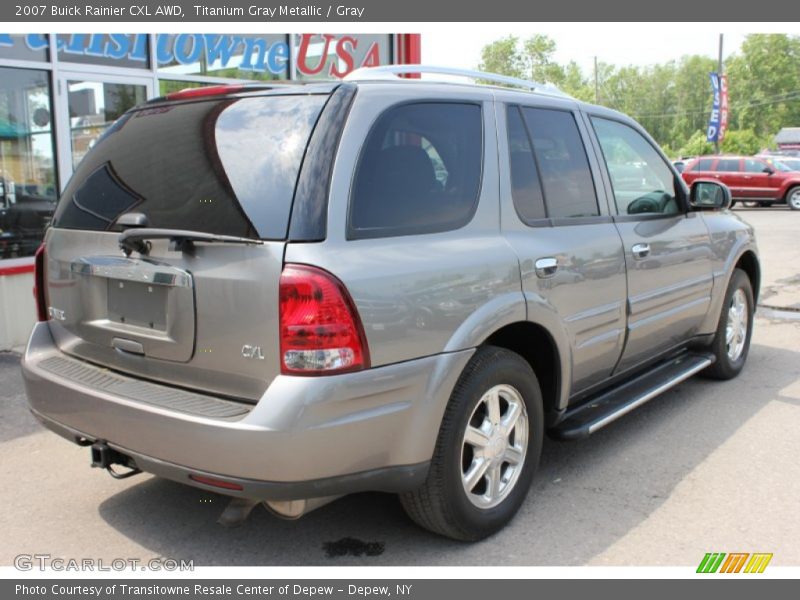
x: 614, y: 43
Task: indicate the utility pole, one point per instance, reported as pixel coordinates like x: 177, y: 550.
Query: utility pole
x: 596, y: 88
x: 719, y: 73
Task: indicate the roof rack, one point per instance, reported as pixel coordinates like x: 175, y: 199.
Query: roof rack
x: 392, y: 71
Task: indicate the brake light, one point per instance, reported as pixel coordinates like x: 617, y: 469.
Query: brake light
x: 209, y: 90
x: 320, y: 330
x: 39, y: 292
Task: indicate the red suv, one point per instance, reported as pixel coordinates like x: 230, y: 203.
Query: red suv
x: 750, y: 178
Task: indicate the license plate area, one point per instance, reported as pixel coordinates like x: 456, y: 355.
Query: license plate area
x: 124, y: 303
x: 138, y: 304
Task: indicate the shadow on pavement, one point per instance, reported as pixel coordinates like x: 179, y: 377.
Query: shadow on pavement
x: 586, y: 496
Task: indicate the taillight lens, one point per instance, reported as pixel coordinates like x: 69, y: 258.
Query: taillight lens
x: 39, y: 292
x: 320, y: 330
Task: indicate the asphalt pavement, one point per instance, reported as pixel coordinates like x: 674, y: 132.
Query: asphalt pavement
x: 707, y: 467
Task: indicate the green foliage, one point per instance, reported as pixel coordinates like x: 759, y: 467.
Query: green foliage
x: 742, y: 141
x: 673, y: 100
x: 697, y: 145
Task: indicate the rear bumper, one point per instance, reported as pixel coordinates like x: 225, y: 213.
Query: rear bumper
x: 306, y: 437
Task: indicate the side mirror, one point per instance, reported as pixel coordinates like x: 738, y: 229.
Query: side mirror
x: 707, y: 194
x: 768, y: 170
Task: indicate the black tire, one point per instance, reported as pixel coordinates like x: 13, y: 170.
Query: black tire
x: 793, y: 198
x: 726, y: 367
x: 442, y: 504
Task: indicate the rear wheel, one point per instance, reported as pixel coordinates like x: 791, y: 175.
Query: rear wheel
x: 487, y: 451
x: 793, y: 198
x: 732, y: 340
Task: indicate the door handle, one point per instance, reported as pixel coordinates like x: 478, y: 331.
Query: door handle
x: 640, y: 250
x: 546, y: 267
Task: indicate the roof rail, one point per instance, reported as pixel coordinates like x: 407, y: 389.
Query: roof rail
x: 392, y: 71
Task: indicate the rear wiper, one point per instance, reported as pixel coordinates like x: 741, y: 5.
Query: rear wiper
x: 181, y: 240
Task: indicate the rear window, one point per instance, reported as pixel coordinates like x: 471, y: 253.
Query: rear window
x: 704, y: 164
x: 227, y: 166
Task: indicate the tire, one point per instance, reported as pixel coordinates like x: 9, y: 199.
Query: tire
x: 730, y: 348
x: 443, y: 504
x: 793, y: 198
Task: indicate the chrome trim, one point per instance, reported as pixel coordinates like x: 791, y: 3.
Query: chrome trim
x: 649, y: 396
x: 128, y: 269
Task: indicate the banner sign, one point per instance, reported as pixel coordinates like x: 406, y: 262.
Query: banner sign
x: 718, y: 121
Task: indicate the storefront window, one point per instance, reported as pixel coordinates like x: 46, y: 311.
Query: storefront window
x: 326, y: 56
x: 32, y: 46
x: 93, y: 106
x: 28, y: 185
x: 111, y: 50
x: 260, y: 57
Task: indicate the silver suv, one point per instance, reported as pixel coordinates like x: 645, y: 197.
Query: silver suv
x: 287, y: 293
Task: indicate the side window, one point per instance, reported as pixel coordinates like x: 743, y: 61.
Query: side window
x: 642, y: 181
x: 728, y: 165
x: 419, y: 171
x: 562, y: 162
x: 704, y: 164
x: 526, y: 189
x: 754, y: 166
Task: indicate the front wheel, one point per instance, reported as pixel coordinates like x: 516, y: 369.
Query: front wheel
x: 793, y: 198
x: 732, y: 340
x: 487, y: 450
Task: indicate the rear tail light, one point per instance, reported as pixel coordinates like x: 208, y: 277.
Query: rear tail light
x: 320, y: 330
x: 39, y: 292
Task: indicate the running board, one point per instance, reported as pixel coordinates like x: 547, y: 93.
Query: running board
x: 610, y: 405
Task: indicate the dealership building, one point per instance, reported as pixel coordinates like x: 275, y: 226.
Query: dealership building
x: 58, y: 93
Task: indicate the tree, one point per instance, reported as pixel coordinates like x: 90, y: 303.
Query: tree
x: 742, y: 141
x: 697, y: 145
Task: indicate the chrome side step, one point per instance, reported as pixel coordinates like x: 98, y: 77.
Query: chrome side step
x: 610, y: 405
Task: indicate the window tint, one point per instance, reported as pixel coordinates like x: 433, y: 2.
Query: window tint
x: 754, y: 166
x: 419, y: 171
x: 526, y: 189
x: 225, y: 166
x: 642, y: 181
x: 562, y: 162
x: 704, y: 164
x: 728, y: 165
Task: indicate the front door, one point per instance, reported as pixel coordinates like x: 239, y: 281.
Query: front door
x: 89, y: 105
x: 667, y: 250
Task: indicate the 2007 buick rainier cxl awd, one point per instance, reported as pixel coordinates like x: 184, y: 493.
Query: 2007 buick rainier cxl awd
x: 287, y: 293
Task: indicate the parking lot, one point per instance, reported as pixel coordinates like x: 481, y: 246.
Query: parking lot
x: 707, y: 467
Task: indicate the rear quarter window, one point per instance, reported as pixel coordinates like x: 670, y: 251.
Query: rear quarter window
x: 419, y: 171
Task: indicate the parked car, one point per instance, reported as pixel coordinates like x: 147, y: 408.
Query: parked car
x: 215, y: 291
x: 751, y: 179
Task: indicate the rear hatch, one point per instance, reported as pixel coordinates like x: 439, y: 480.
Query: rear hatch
x: 184, y: 311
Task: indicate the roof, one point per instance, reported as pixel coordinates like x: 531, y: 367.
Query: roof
x: 788, y: 135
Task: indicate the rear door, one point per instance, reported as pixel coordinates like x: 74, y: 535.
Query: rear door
x: 730, y: 172
x: 557, y: 221
x: 182, y: 315
x: 667, y: 250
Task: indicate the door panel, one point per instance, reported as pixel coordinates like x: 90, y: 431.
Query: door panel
x: 667, y: 250
x: 669, y: 287
x: 573, y: 265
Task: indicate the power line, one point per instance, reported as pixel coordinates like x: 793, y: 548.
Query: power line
x: 776, y: 99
